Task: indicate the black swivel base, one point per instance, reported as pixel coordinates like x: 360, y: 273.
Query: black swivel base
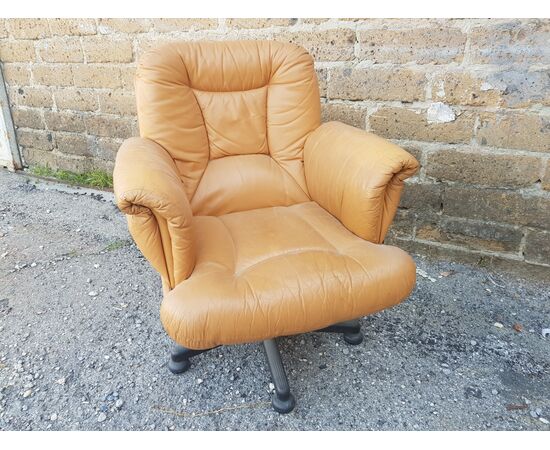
x: 283, y: 401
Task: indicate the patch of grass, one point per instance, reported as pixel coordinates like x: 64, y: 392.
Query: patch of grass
x: 94, y: 178
x: 115, y: 245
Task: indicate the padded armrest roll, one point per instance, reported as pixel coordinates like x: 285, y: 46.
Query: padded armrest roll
x: 148, y: 189
x: 357, y: 177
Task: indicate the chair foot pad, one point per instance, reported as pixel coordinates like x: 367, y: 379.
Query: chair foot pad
x: 353, y: 338
x: 283, y: 406
x: 178, y: 367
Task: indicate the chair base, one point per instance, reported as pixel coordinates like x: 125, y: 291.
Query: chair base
x: 282, y: 401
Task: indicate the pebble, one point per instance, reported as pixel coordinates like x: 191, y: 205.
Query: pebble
x: 271, y: 387
x: 498, y: 325
x: 473, y: 342
x: 53, y: 417
x: 533, y: 414
x: 200, y: 380
x: 102, y: 417
x: 494, y: 392
x: 27, y: 393
x: 447, y: 371
x: 92, y: 293
x: 543, y: 420
x: 345, y: 351
x: 119, y: 403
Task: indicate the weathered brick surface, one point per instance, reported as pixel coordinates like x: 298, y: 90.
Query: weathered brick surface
x: 376, y: 84
x: 422, y: 197
x: 260, y: 23
x: 463, y: 88
x: 28, y: 117
x: 401, y: 123
x: 107, y: 26
x: 17, y: 74
x: 477, y: 168
x: 468, y: 98
x: 3, y: 29
x: 17, y: 51
x: 515, y: 130
x: 29, y: 28
x: 518, y: 41
x: 72, y: 143
x: 329, y: 45
x: 104, y: 148
x: 65, y: 121
x: 402, y: 226
x: 109, y: 126
x: 76, y: 99
x: 546, y: 177
x: 436, y: 45
x: 127, y: 74
x: 497, y: 205
x: 42, y: 140
x: 537, y: 247
x: 167, y: 25
x: 72, y: 27
x: 61, y: 50
x: 470, y: 234
x: 117, y: 102
x: 52, y: 74
x: 58, y: 160
x: 106, y: 49
x: 31, y: 96
x: 522, y: 87
x: 349, y: 114
x: 97, y: 76
x: 322, y: 74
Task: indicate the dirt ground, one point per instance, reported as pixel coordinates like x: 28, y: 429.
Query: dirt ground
x: 82, y: 347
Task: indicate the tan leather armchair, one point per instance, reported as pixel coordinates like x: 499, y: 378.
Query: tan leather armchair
x: 261, y: 221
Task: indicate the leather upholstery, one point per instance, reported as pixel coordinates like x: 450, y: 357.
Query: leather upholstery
x: 261, y: 221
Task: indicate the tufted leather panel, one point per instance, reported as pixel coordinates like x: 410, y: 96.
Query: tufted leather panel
x: 238, y: 183
x: 280, y: 271
x: 206, y: 100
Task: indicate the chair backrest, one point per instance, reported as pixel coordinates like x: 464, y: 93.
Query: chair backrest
x: 234, y: 116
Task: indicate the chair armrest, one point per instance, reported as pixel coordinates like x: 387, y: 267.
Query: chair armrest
x: 357, y: 177
x: 148, y: 189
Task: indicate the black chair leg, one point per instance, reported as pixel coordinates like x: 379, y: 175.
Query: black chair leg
x: 179, y: 358
x: 283, y: 401
x: 351, y: 329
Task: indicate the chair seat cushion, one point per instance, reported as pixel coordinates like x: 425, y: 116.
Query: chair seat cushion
x: 280, y: 271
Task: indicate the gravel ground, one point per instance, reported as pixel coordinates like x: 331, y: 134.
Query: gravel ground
x: 82, y: 347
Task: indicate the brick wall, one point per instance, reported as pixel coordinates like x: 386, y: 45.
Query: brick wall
x: 469, y: 98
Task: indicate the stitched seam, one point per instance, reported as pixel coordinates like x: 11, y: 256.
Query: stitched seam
x: 207, y: 141
x: 330, y: 244
x: 232, y: 243
x: 229, y: 92
x: 289, y: 252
